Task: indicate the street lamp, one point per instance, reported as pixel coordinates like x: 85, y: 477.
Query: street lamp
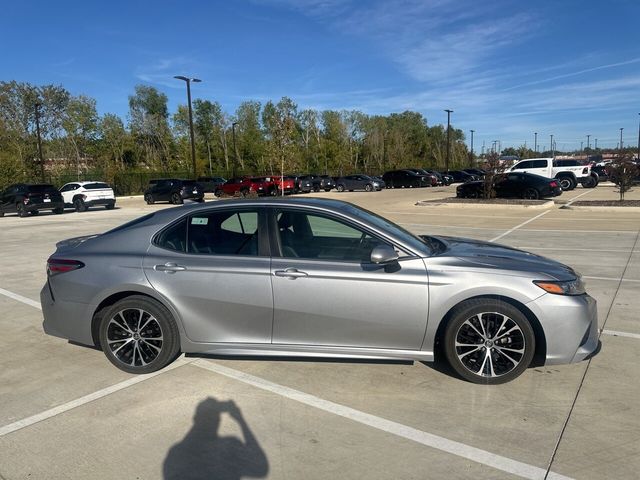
x: 581, y: 144
x: 471, y: 162
x: 449, y: 112
x: 37, y: 107
x: 621, y: 137
x: 551, y: 145
x: 588, y: 141
x: 639, y: 139
x: 235, y: 150
x: 535, y: 142
x: 188, y: 81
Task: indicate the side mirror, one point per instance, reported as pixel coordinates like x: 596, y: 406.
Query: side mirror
x: 383, y: 254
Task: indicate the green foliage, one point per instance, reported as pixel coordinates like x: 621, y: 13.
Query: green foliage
x: 623, y: 173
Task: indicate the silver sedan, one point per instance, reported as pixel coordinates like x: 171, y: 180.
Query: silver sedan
x: 314, y: 278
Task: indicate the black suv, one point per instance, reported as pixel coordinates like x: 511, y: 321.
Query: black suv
x: 211, y: 184
x: 320, y: 182
x: 173, y: 190
x: 405, y: 179
x: 26, y: 199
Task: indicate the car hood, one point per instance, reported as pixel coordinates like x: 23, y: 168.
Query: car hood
x: 465, y: 252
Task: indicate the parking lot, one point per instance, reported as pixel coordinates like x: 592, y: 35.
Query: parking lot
x: 66, y: 412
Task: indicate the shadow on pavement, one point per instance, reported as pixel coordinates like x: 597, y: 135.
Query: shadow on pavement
x: 203, y: 454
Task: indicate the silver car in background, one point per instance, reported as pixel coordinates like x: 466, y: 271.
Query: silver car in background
x: 315, y: 278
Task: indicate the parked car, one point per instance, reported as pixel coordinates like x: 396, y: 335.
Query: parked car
x: 514, y: 185
x: 302, y: 184
x: 320, y: 182
x: 173, y: 190
x: 357, y: 182
x: 441, y: 178
x: 568, y: 172
x: 405, y: 179
x: 265, y: 185
x: 312, y: 277
x: 380, y: 181
x: 25, y: 199
x: 433, y: 179
x: 86, y: 194
x: 475, y: 171
x: 237, y: 185
x: 286, y: 183
x: 210, y: 184
x: 460, y: 176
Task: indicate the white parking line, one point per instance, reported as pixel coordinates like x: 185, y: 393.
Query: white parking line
x: 483, y: 457
x: 65, y: 407
x: 568, y: 204
x: 519, y: 226
x: 615, y: 333
x: 20, y: 298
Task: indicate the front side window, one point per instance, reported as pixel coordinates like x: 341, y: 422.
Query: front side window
x: 318, y: 237
x: 523, y: 165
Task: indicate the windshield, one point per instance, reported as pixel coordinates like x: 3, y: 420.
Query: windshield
x: 40, y: 188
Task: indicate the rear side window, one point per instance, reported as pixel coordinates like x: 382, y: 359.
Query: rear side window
x: 40, y: 188
x: 174, y: 237
x: 227, y: 232
x: 539, y: 164
x: 96, y: 186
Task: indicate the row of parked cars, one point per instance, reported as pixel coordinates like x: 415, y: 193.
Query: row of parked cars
x: 29, y: 199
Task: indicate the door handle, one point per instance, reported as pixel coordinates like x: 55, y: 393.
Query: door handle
x: 169, y: 267
x: 290, y: 273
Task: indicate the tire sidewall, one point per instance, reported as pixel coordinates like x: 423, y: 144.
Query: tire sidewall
x: 468, y: 309
x: 170, y: 333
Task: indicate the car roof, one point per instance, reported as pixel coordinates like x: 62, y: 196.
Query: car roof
x: 86, y: 182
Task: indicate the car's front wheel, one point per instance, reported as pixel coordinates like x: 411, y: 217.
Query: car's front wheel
x: 139, y: 335
x: 488, y: 341
x: 149, y: 199
x: 340, y: 188
x: 176, y: 199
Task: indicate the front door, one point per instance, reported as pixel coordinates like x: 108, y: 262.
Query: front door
x: 213, y: 268
x: 327, y: 292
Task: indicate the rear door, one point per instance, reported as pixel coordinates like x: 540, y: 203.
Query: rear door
x: 327, y: 292
x: 215, y: 268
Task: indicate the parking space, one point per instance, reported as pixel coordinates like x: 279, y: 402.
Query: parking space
x: 65, y: 412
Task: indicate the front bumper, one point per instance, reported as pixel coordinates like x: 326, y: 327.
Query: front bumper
x: 570, y: 325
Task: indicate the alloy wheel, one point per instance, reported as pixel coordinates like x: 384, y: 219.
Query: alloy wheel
x: 490, y: 344
x: 134, y: 337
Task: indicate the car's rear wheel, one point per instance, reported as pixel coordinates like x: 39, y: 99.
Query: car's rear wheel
x: 176, y: 199
x: 22, y: 210
x: 327, y: 189
x: 110, y: 206
x: 149, y: 199
x: 591, y: 181
x: 488, y: 341
x: 530, y: 194
x: 139, y: 335
x: 368, y: 187
x: 79, y: 205
x: 217, y: 193
x: 340, y: 188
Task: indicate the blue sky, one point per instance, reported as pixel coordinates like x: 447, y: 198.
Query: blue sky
x: 506, y: 68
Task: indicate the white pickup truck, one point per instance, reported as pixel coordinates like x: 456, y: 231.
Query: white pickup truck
x: 568, y: 172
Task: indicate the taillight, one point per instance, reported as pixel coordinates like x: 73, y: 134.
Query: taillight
x: 61, y: 265
x: 553, y: 184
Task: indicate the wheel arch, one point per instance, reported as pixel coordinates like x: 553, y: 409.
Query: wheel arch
x: 539, y: 356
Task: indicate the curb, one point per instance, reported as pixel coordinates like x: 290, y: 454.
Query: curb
x: 604, y: 208
x: 541, y: 206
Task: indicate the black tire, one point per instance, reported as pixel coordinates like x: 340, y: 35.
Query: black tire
x: 273, y: 192
x: 58, y: 210
x: 176, y: 199
x: 368, y: 187
x: 110, y: 206
x: 591, y: 181
x: 531, y: 194
x: 475, y: 326
x: 340, y: 188
x: 327, y: 189
x: 79, y: 205
x: 200, y: 200
x: 1, y: 212
x: 34, y: 212
x: 566, y: 183
x: 141, y: 357
x: 244, y: 193
x: 217, y: 193
x: 149, y: 199
x: 21, y: 209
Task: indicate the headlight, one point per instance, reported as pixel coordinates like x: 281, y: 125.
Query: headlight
x: 571, y: 287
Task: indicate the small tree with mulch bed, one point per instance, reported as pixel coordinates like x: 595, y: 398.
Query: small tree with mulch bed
x: 623, y: 173
x: 493, y: 167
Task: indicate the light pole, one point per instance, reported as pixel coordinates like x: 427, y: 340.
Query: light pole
x: 639, y: 139
x: 449, y: 112
x: 235, y: 150
x: 596, y: 145
x: 621, y: 137
x: 535, y: 142
x: 188, y: 81
x: 37, y: 107
x: 581, y: 144
x: 588, y: 141
x: 551, y: 145
x: 471, y: 162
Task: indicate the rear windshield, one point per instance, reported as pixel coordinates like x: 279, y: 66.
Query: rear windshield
x: 133, y: 222
x: 189, y: 182
x: 96, y: 186
x: 40, y: 188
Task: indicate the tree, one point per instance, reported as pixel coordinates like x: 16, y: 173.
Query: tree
x: 494, y: 168
x: 80, y: 123
x: 149, y: 125
x: 280, y: 128
x: 114, y: 136
x: 623, y: 173
x: 250, y: 138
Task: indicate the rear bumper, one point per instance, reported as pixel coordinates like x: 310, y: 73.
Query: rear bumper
x: 570, y: 325
x: 29, y: 207
x: 65, y: 319
x: 101, y: 201
x: 191, y: 196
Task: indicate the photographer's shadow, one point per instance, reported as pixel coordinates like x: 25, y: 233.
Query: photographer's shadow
x: 203, y: 454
